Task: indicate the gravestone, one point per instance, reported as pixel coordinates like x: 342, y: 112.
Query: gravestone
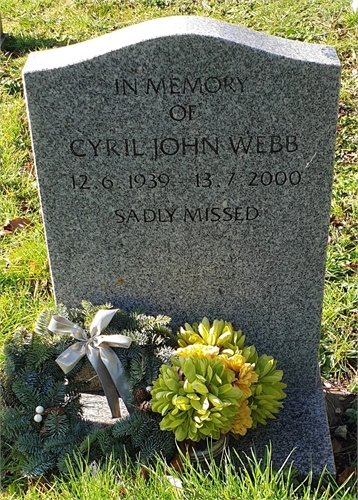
x: 185, y: 168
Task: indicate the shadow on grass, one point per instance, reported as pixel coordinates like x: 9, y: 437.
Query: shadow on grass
x: 15, y: 47
x: 19, y: 46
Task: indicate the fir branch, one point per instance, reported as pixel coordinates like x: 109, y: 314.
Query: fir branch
x: 39, y: 355
x: 59, y: 445
x: 123, y: 428
x: 37, y: 465
x: 100, y: 443
x: 89, y: 311
x: 55, y: 393
x: 55, y: 425
x: 43, y: 320
x: 33, y: 378
x: 27, y: 395
x: 29, y: 443
x: 138, y: 369
x: 152, y: 372
x: 122, y: 321
x: 153, y: 323
x: 15, y: 421
x: 76, y: 315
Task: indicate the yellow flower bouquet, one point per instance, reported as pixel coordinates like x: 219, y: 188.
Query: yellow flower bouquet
x: 215, y: 384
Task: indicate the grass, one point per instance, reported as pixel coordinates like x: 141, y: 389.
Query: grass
x: 25, y: 284
x: 258, y: 480
x: 39, y: 24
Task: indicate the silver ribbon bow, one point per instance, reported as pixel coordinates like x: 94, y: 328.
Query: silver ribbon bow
x: 98, y: 350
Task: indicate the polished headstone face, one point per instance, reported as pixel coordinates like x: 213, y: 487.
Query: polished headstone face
x: 185, y: 167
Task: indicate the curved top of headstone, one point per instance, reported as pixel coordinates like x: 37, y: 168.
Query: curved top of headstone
x: 180, y: 26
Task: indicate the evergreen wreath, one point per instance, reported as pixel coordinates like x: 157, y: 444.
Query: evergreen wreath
x: 41, y: 413
x: 211, y: 384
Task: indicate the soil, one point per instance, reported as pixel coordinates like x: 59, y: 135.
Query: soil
x: 343, y: 428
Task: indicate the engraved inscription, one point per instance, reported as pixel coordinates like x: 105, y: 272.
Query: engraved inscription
x: 264, y: 144
x: 279, y: 178
x: 186, y: 214
x: 180, y: 113
x: 180, y: 86
x: 242, y: 147
x: 183, y: 146
x: 199, y: 180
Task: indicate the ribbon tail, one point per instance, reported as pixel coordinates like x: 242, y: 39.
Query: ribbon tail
x: 116, y: 371
x: 105, y: 379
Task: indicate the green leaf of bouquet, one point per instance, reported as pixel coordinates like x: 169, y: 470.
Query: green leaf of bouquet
x: 199, y: 387
x: 196, y: 404
x: 189, y: 370
x: 224, y: 388
x: 214, y: 400
x: 180, y: 433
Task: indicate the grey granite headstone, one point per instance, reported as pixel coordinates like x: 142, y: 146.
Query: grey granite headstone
x: 185, y: 167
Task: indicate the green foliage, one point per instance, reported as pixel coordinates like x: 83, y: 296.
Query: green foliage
x: 267, y: 393
x: 352, y: 413
x: 44, y: 318
x: 151, y: 337
x: 220, y: 333
x: 25, y: 287
x: 136, y: 437
x: 264, y: 396
x: 140, y: 432
x: 196, y: 398
x: 31, y: 378
x: 163, y: 354
x: 234, y: 477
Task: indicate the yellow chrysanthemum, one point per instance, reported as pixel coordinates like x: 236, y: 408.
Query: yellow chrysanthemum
x: 247, y: 377
x: 245, y: 372
x: 234, y: 363
x: 204, y: 351
x: 243, y: 421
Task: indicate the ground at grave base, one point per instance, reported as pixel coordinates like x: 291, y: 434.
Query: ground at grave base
x: 342, y: 437
x: 343, y: 428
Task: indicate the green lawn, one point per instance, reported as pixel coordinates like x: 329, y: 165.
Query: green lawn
x: 25, y: 284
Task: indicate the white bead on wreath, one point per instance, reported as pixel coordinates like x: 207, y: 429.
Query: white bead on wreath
x: 39, y: 410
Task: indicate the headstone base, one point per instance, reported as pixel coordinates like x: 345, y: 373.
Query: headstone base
x: 96, y: 411
x: 300, y: 429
